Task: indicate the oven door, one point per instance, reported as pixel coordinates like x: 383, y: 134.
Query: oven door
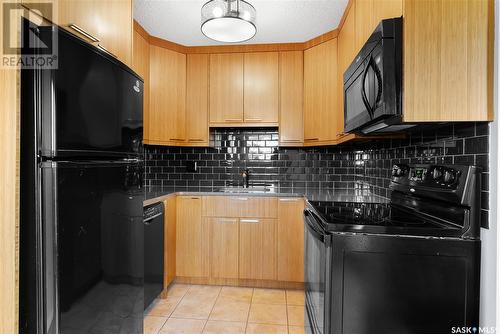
x: 317, y: 274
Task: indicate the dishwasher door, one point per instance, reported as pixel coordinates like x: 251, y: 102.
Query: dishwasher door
x: 153, y: 252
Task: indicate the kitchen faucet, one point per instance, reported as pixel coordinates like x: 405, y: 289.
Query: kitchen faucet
x: 246, y: 175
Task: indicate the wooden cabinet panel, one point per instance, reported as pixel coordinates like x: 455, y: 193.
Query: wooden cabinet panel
x: 291, y: 121
x: 226, y: 88
x: 192, y: 244
x: 224, y: 238
x: 386, y: 9
x: 170, y: 236
x: 257, y: 253
x: 261, y: 87
x: 320, y: 93
x: 290, y: 236
x: 110, y: 21
x: 140, y: 63
x: 197, y: 100
x: 240, y: 206
x: 347, y: 50
x: 167, y: 97
x: 364, y: 21
x: 447, y: 59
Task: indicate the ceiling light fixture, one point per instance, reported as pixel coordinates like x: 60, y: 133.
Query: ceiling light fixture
x: 229, y: 21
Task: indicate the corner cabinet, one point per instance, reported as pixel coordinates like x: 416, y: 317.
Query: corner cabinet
x: 167, y: 97
x: 291, y: 120
x: 321, y: 126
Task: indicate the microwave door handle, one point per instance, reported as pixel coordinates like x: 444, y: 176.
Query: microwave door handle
x: 363, y: 92
x: 379, y: 83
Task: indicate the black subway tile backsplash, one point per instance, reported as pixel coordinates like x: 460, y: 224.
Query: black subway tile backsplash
x: 364, y: 165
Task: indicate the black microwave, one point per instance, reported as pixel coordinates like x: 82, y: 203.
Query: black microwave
x: 372, y: 83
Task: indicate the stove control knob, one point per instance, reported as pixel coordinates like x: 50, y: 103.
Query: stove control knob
x: 436, y: 173
x: 449, y: 176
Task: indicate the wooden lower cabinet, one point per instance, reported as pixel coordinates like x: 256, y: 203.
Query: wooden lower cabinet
x: 257, y: 253
x: 224, y: 247
x: 290, y: 238
x: 192, y: 243
x: 169, y: 240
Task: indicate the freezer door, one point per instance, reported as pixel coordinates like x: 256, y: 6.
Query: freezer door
x: 95, y: 211
x: 91, y: 105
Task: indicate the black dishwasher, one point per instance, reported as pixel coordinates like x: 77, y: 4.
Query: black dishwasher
x: 153, y: 252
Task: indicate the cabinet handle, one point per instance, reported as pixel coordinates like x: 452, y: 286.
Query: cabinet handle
x: 233, y: 120
x: 226, y: 221
x: 288, y: 199
x: 255, y: 221
x: 311, y: 139
x: 82, y: 31
x: 239, y: 198
x: 291, y: 140
x: 106, y: 50
x: 176, y: 139
x: 253, y: 119
x: 195, y: 197
x: 196, y: 139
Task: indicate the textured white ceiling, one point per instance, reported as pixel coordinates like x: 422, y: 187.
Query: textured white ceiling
x: 278, y: 21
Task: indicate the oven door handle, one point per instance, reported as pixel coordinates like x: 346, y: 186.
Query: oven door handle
x: 363, y: 92
x: 311, y: 226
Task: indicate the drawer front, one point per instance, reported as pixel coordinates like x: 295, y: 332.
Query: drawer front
x: 240, y: 206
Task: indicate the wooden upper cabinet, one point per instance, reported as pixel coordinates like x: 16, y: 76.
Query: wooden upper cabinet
x: 224, y: 241
x: 364, y: 21
x: 109, y: 21
x: 347, y: 50
x: 386, y: 9
x: 261, y: 87
x: 257, y: 253
x: 291, y: 121
x: 140, y: 64
x: 320, y: 94
x: 197, y: 100
x: 290, y: 236
x: 448, y: 63
x: 167, y: 97
x: 226, y: 88
x: 192, y: 244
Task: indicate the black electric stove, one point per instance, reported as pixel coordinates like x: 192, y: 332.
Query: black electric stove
x: 407, y: 265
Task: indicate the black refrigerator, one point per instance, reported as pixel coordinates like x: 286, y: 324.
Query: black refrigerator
x: 81, y: 228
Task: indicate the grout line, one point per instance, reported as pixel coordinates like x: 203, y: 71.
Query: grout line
x: 211, y: 310
x: 250, y: 309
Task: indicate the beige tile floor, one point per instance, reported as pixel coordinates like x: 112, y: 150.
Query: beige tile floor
x: 195, y: 309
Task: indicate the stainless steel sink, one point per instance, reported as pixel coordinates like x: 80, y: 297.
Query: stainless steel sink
x: 250, y: 190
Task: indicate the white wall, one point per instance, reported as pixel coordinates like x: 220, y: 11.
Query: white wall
x: 490, y: 257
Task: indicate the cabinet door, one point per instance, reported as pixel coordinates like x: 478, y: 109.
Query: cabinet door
x: 320, y: 93
x: 226, y: 88
x: 291, y: 240
x: 192, y: 243
x: 197, y: 100
x: 257, y: 249
x: 347, y: 50
x: 291, y: 124
x: 224, y: 247
x: 110, y: 21
x: 170, y: 237
x: 140, y: 63
x: 447, y: 61
x: 261, y: 87
x: 364, y: 21
x: 386, y: 9
x: 167, y: 97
